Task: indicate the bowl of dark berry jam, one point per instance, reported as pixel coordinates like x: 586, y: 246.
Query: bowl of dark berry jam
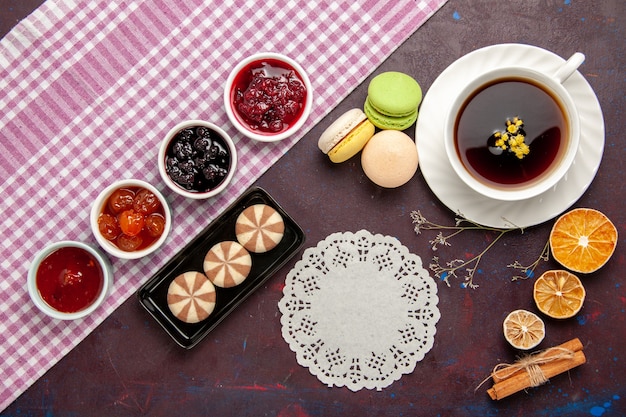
x: 268, y: 97
x: 197, y: 159
x: 68, y: 280
x: 130, y: 219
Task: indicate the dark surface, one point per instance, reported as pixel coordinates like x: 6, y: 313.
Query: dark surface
x: 129, y: 366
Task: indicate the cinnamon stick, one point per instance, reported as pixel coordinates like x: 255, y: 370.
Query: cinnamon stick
x: 521, y: 379
x: 573, y: 345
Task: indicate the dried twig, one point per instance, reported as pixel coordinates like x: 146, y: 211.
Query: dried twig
x: 462, y: 224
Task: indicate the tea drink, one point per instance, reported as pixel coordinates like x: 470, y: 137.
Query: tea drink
x: 486, y: 111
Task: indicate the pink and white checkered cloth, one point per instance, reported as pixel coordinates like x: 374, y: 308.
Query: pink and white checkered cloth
x: 89, y: 88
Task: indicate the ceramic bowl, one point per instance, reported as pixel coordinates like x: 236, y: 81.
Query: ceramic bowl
x: 209, y: 189
x: 99, y: 206
x: 45, y: 256
x: 270, y: 64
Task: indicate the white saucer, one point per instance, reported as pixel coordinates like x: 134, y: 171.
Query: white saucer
x: 453, y: 192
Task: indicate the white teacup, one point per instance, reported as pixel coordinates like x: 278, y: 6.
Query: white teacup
x: 551, y: 129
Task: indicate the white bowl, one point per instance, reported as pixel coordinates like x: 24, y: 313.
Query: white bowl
x: 42, y: 305
x: 237, y: 120
x: 99, y: 205
x: 177, y: 188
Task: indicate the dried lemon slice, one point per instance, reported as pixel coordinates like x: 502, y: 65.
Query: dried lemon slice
x: 523, y: 329
x: 559, y: 294
x: 583, y: 240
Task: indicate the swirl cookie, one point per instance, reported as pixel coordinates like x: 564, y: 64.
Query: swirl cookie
x: 259, y: 228
x: 227, y: 264
x: 191, y: 297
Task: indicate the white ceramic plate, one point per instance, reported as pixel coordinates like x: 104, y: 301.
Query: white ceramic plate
x: 453, y: 192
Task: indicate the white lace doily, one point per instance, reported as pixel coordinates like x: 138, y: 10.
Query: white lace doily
x: 359, y: 310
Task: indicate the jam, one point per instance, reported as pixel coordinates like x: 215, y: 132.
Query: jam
x: 197, y: 159
x: 268, y: 96
x: 545, y: 132
x: 133, y: 218
x: 69, y: 279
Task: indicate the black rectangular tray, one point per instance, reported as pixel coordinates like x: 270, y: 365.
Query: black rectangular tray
x: 153, y: 294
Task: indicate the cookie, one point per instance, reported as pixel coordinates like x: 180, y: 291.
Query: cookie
x: 227, y: 264
x: 191, y: 297
x: 392, y: 100
x: 346, y: 136
x: 390, y: 158
x: 259, y: 228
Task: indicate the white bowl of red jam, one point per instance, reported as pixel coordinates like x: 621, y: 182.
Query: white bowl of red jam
x: 268, y: 97
x: 197, y: 159
x: 68, y: 280
x: 130, y: 219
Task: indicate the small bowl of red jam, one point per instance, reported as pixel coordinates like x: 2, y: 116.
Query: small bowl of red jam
x: 69, y: 280
x: 130, y: 219
x: 197, y: 159
x: 268, y: 97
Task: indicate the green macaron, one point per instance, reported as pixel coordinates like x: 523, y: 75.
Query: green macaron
x: 385, y: 122
x: 392, y: 100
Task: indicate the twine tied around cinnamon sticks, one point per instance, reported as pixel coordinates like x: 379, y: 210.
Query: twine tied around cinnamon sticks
x: 535, y: 369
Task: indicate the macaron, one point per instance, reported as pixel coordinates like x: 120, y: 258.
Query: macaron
x: 392, y: 100
x: 386, y: 122
x: 346, y: 136
x: 390, y: 158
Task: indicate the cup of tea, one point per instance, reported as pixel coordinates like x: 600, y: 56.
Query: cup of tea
x: 512, y: 133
